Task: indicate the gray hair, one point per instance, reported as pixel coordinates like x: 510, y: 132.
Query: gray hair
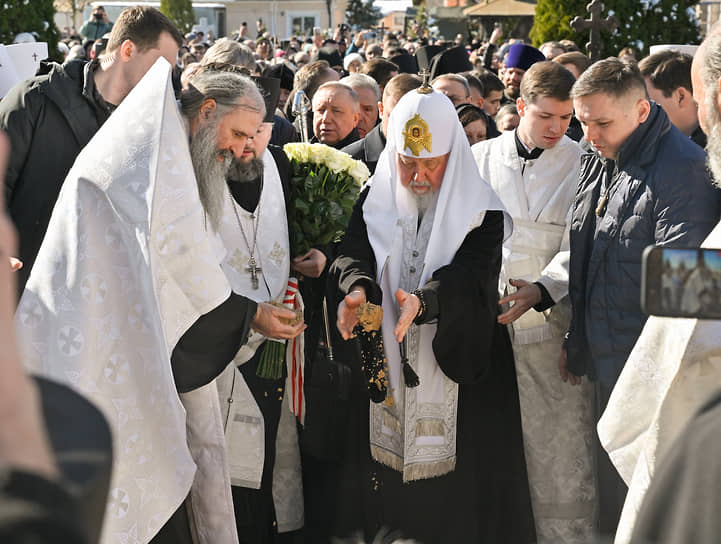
x: 362, y: 81
x: 225, y: 51
x: 458, y: 78
x: 227, y: 89
x: 710, y: 56
x: 711, y: 64
x: 344, y: 86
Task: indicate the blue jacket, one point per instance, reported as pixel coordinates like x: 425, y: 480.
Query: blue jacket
x: 661, y: 194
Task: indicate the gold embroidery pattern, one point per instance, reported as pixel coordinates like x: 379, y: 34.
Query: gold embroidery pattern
x: 416, y: 135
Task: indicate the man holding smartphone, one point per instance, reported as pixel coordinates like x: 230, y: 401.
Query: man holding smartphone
x: 97, y: 26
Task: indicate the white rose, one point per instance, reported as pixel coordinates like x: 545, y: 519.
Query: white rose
x: 335, y: 161
x: 360, y: 172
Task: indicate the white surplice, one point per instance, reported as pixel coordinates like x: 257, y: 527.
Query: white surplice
x: 557, y: 417
x: 244, y: 427
x: 125, y: 269
x: 673, y: 369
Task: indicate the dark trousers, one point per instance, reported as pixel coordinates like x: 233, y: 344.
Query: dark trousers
x: 611, y: 487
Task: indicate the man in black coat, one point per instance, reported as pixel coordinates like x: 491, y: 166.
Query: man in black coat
x: 369, y: 148
x: 336, y: 112
x: 51, y: 117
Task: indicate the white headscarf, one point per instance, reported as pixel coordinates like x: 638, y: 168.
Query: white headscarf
x: 463, y: 199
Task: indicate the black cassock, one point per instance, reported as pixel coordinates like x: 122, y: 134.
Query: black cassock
x: 486, y: 498
x: 201, y: 355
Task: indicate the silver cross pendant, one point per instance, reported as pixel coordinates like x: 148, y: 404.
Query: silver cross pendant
x: 254, y: 270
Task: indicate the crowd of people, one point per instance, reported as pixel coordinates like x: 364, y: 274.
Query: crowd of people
x: 491, y: 376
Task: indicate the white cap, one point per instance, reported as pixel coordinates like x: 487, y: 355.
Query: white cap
x: 352, y: 57
x: 687, y: 49
x: 24, y: 37
x: 423, y: 124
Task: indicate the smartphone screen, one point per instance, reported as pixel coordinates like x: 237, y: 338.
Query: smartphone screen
x: 681, y: 282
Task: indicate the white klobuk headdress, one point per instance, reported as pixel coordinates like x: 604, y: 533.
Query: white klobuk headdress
x: 126, y: 268
x: 423, y: 124
x: 18, y: 62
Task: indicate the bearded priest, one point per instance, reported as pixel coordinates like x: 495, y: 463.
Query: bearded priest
x: 259, y: 403
x: 128, y: 301
x: 440, y: 458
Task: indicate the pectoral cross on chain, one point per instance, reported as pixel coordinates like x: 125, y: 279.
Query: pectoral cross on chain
x: 595, y: 24
x: 254, y: 271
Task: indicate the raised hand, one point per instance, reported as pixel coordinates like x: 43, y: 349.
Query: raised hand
x: 409, y: 305
x: 310, y: 264
x: 347, y: 317
x: 525, y: 298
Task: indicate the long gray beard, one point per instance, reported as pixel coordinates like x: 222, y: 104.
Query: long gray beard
x: 425, y: 202
x: 210, y: 172
x: 713, y: 143
x: 245, y: 172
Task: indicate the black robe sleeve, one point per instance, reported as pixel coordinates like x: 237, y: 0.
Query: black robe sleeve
x: 462, y: 296
x: 210, y: 344
x: 466, y: 292
x: 356, y: 264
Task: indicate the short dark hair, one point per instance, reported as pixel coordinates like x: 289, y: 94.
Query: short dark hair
x: 491, y: 82
x: 667, y: 70
x: 142, y: 25
x: 379, y: 69
x: 474, y: 82
x: 578, y: 59
x: 546, y: 80
x: 612, y: 76
x: 467, y: 113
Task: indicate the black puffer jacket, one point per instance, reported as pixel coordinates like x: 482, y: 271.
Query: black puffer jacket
x: 49, y: 119
x: 661, y: 194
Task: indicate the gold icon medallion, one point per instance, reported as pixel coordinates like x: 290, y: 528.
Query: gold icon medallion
x: 416, y: 135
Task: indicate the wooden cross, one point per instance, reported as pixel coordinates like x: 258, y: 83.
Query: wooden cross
x: 382, y: 28
x: 595, y: 24
x: 254, y: 270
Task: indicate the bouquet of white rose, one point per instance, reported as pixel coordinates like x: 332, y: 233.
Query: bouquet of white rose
x: 324, y: 184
